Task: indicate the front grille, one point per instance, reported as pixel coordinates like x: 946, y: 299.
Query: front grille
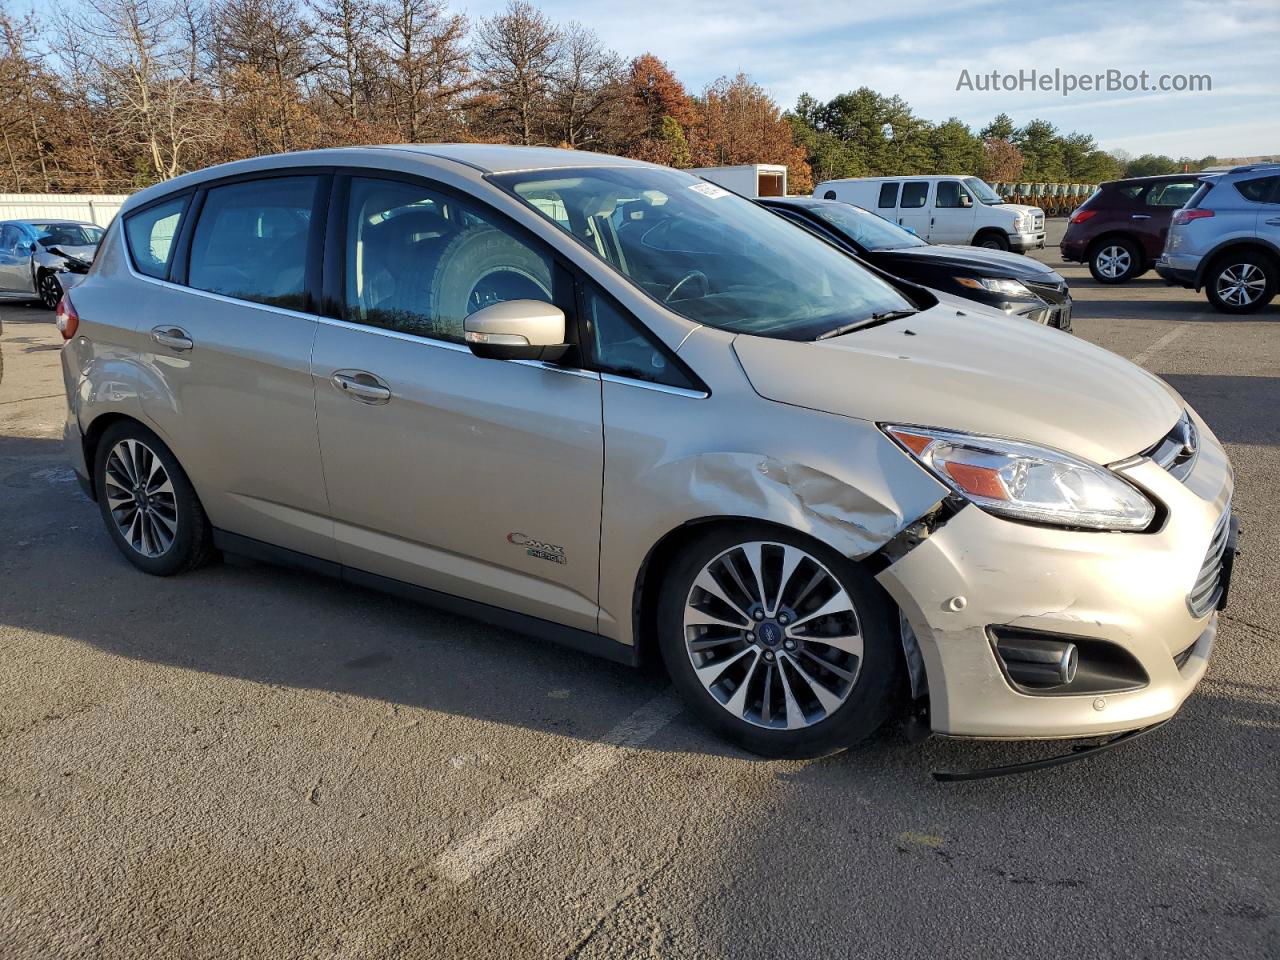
x: 1207, y: 591
x: 1049, y: 292
x: 1176, y: 451
x: 1037, y: 220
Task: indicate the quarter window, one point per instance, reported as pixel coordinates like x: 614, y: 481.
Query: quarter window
x: 420, y: 261
x: 1260, y: 190
x: 151, y: 233
x: 888, y: 195
x: 251, y: 241
x: 914, y: 194
x: 621, y: 346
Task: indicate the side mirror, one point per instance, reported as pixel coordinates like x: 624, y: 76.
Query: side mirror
x: 517, y: 330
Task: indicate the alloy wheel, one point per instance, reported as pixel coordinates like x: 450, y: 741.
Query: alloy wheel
x: 1241, y: 284
x: 773, y: 636
x: 50, y: 291
x: 1114, y: 262
x: 141, y: 498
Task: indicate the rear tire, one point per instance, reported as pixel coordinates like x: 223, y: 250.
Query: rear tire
x: 1241, y: 283
x: 147, y: 503
x: 761, y: 672
x: 1115, y: 260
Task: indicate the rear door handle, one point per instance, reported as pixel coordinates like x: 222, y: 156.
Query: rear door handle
x: 1274, y: 222
x: 1141, y: 216
x: 175, y: 338
x: 362, y: 386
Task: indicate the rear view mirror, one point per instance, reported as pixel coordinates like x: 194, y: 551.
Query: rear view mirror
x: 517, y: 330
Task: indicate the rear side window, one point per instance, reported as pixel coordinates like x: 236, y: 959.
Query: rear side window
x: 1260, y: 189
x: 151, y: 233
x: 1170, y: 194
x: 251, y: 241
x: 1130, y: 190
x: 914, y: 194
x: 888, y: 195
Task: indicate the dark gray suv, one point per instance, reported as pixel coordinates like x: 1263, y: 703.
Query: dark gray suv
x: 1226, y: 239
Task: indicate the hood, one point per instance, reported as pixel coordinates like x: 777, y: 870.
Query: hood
x: 85, y: 253
x: 974, y: 373
x: 972, y: 260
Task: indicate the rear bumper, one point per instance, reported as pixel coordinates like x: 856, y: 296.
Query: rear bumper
x: 1111, y: 590
x: 1072, y: 249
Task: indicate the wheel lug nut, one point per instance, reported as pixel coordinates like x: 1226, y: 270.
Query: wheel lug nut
x: 758, y: 615
x: 783, y: 618
x: 768, y: 654
x: 789, y: 644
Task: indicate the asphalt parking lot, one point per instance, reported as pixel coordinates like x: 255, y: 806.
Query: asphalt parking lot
x: 248, y: 762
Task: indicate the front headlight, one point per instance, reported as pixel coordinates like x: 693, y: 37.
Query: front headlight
x: 1027, y: 482
x: 998, y: 285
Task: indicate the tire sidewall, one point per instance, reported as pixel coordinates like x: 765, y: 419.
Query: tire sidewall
x: 192, y: 523
x: 1211, y: 283
x: 880, y: 672
x: 992, y: 241
x: 40, y: 284
x: 1135, y: 260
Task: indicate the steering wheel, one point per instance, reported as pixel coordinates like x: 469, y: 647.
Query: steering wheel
x: 691, y: 275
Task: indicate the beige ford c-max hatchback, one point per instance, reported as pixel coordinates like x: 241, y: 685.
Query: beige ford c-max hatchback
x: 617, y: 405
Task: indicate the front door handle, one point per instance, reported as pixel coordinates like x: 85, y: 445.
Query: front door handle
x: 1141, y: 216
x: 175, y: 338
x: 361, y: 386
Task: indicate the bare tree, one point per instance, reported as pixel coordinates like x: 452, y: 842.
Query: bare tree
x: 426, y: 66
x: 587, y: 87
x: 344, y: 40
x: 265, y: 51
x: 19, y: 111
x: 516, y: 56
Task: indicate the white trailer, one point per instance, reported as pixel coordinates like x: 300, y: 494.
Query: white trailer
x: 748, y: 179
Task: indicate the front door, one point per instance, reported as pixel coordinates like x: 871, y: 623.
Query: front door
x: 914, y: 208
x: 477, y: 478
x: 231, y: 355
x: 953, y: 214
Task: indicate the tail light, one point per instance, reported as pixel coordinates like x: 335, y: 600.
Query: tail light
x: 66, y: 318
x: 1080, y: 216
x: 1183, y: 217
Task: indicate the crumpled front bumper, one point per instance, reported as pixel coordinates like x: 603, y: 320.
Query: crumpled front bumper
x: 1128, y: 589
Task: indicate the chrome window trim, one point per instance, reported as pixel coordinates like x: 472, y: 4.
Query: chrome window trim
x: 659, y: 387
x: 210, y: 295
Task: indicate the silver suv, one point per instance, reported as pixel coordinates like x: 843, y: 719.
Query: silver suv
x: 1226, y: 239
x: 612, y: 404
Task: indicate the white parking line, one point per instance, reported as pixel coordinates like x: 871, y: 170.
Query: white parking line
x: 511, y: 823
x: 1141, y: 358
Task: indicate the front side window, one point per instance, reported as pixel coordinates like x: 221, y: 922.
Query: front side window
x: 914, y: 194
x: 708, y: 254
x: 951, y: 194
x: 419, y: 261
x: 1170, y: 194
x: 250, y: 242
x: 70, y: 235
x: 982, y: 190
x: 151, y: 233
x: 620, y: 346
x: 10, y: 237
x: 888, y: 196
x: 869, y: 231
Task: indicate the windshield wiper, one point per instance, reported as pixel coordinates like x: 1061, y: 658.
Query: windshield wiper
x: 882, y: 317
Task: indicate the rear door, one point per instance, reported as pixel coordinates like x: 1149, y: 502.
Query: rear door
x: 15, y: 260
x: 914, y: 210
x: 953, y: 214
x: 229, y: 344
x: 477, y: 478
x: 1159, y: 203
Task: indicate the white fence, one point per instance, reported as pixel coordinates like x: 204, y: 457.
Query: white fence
x: 87, y: 208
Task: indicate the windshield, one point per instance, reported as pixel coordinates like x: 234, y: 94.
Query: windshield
x: 708, y: 254
x: 864, y: 228
x: 983, y: 192
x: 68, y: 235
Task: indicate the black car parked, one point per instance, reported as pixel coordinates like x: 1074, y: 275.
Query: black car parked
x: 1010, y: 282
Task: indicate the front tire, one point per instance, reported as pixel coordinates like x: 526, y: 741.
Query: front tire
x: 1243, y: 283
x: 992, y: 240
x: 148, y: 504
x: 777, y: 642
x: 49, y: 290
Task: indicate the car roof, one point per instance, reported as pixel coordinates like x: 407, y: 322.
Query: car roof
x: 503, y: 158
x: 1156, y: 178
x: 909, y: 176
x: 41, y: 222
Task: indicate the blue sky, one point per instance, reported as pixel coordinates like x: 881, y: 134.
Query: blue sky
x: 917, y: 49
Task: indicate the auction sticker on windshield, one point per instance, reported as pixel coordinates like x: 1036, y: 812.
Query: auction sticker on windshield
x: 709, y: 190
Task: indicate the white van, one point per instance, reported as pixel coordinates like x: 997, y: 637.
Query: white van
x: 950, y: 209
